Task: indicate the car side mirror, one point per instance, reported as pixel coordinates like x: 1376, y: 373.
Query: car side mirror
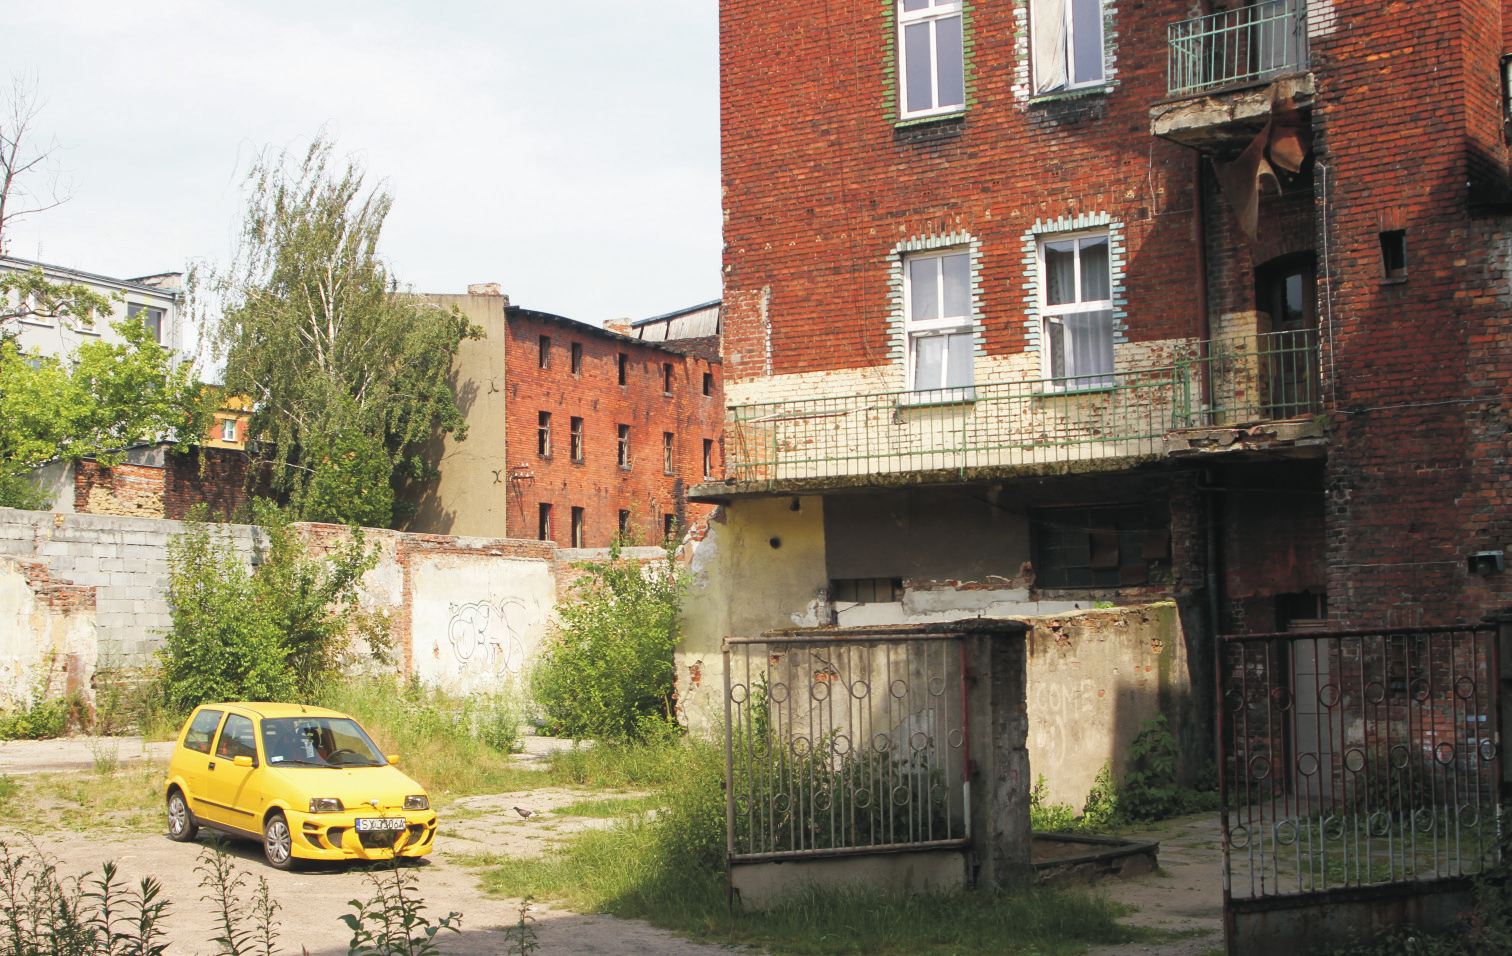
x: 242, y: 761
x: 393, y: 759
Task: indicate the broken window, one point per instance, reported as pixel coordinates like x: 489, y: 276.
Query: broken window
x: 543, y: 529
x: 866, y: 590
x: 577, y: 358
x: 1067, y: 44
x: 669, y: 453
x: 624, y: 523
x: 623, y: 450
x: 1394, y: 254
x: 543, y: 359
x: 543, y: 434
x: 624, y: 368
x: 708, y: 383
x: 666, y: 378
x: 708, y: 457
x: 577, y: 439
x: 669, y: 525
x: 1077, y: 310
x: 577, y: 528
x: 932, y: 71
x: 1103, y: 546
x: 937, y: 312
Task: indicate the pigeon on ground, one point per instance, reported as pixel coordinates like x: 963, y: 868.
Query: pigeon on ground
x: 523, y: 812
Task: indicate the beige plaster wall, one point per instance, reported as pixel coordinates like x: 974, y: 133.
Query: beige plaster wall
x: 36, y: 635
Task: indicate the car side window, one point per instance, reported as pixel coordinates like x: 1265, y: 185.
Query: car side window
x: 236, y: 739
x: 202, y: 731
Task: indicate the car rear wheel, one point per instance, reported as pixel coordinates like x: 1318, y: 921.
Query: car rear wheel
x: 181, y: 824
x: 278, y: 842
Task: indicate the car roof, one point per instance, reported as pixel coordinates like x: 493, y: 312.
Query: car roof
x: 271, y: 709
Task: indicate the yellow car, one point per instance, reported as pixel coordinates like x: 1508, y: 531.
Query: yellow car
x: 307, y: 782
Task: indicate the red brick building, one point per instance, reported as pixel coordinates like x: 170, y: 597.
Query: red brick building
x: 576, y: 434
x: 1035, y: 305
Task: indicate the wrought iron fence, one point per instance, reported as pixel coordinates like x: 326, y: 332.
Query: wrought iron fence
x: 844, y: 746
x: 1125, y: 413
x: 1233, y: 47
x: 1354, y: 758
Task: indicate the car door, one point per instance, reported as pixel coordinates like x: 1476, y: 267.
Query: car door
x: 225, y: 782
x: 191, y: 761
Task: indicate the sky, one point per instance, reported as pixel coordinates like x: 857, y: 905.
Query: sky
x: 567, y: 151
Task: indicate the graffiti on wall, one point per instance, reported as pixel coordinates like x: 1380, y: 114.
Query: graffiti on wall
x: 487, y: 636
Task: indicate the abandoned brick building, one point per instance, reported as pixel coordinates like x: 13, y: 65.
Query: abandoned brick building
x: 1055, y: 309
x: 576, y: 434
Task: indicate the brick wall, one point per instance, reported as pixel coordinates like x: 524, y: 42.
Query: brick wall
x: 213, y: 477
x: 597, y: 482
x: 821, y: 184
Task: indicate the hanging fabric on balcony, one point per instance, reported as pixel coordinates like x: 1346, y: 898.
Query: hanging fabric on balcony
x: 1284, y: 143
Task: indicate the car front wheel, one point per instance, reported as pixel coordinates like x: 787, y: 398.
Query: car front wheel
x: 278, y: 842
x: 181, y: 825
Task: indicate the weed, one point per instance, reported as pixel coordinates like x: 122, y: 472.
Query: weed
x: 39, y: 715
x: 611, y: 807
x: 8, y: 790
x: 392, y: 923
x: 520, y: 938
x: 105, y: 753
x: 42, y: 912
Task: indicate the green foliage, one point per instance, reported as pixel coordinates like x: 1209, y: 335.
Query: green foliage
x: 1098, y: 815
x: 1150, y: 789
x: 349, y: 376
x: 40, y: 714
x: 31, y: 295
x: 607, y: 672
x: 393, y: 921
x: 520, y: 937
x: 43, y: 913
x: 669, y: 871
x: 247, y: 927
x: 276, y: 632
x: 94, y: 404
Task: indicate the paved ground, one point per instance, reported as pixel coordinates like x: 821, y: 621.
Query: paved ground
x: 76, y: 753
x: 1185, y: 895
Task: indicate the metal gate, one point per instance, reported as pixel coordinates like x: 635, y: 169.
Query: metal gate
x: 1353, y: 764
x: 845, y: 746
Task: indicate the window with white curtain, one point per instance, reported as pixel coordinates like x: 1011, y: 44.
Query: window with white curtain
x: 1067, y: 44
x: 1077, y: 310
x: 931, y: 63
x: 937, y: 310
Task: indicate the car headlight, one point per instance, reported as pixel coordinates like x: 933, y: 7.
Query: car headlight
x: 418, y: 801
x: 325, y: 805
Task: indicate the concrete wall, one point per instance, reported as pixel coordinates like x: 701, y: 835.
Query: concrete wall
x: 47, y: 634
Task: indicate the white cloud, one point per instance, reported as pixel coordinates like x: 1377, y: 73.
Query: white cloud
x: 569, y: 152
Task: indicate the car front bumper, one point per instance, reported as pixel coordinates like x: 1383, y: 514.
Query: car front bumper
x: 334, y: 836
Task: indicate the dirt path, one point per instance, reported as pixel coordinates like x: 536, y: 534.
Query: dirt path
x: 1186, y: 895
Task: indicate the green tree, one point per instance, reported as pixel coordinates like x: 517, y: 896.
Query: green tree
x: 607, y: 672
x: 346, y: 371
x: 276, y: 631
x: 107, y: 397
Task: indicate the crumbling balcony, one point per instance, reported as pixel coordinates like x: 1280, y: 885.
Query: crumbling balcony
x: 1208, y: 397
x: 1227, y: 70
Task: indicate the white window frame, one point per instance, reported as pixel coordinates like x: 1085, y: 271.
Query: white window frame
x: 932, y: 13
x: 228, y: 429
x: 915, y: 329
x: 1053, y: 36
x: 1073, y: 380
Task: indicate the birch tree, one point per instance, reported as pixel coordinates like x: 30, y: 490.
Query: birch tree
x: 350, y: 377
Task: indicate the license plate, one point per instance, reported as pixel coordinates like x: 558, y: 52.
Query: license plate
x: 381, y: 823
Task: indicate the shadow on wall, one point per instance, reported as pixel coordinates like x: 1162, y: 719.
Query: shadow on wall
x: 432, y: 516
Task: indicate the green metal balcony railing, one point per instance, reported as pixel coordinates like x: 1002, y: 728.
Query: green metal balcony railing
x: 1238, y: 46
x: 1122, y: 414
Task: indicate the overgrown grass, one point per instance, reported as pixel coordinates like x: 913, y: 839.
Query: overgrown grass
x: 450, y: 745
x: 610, y: 807
x: 621, y: 766
x: 130, y: 799
x: 668, y: 871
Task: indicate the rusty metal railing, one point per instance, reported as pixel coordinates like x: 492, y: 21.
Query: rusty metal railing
x: 1246, y: 44
x: 845, y: 747
x: 1356, y: 758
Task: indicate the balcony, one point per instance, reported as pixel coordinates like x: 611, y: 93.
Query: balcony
x: 1028, y: 427
x: 1219, y: 70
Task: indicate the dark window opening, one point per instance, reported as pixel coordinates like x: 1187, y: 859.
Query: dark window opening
x: 543, y: 435
x: 577, y: 528
x: 577, y: 358
x: 669, y: 526
x: 543, y: 530
x: 666, y: 378
x: 623, y: 451
x: 577, y: 439
x: 1394, y: 254
x: 545, y: 356
x: 1301, y: 611
x: 624, y: 523
x: 1106, y: 546
x: 866, y: 590
x: 708, y: 457
x: 669, y: 452
x: 624, y: 369
x: 708, y: 383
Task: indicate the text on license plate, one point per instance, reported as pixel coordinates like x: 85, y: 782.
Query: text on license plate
x: 381, y: 823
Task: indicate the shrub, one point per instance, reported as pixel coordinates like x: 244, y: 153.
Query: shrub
x: 275, y: 632
x: 607, y: 672
x: 1150, y: 789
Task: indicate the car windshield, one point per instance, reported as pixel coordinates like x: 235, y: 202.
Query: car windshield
x: 318, y: 742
